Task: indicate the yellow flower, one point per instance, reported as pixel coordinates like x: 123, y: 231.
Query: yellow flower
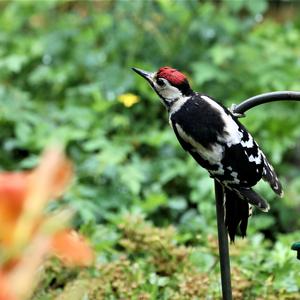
x: 128, y: 99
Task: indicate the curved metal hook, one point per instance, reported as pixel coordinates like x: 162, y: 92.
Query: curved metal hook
x: 265, y: 98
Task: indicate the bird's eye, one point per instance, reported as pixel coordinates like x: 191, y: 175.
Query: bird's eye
x: 160, y: 82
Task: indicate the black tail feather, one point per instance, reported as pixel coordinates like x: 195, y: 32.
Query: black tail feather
x: 236, y: 214
x: 249, y: 195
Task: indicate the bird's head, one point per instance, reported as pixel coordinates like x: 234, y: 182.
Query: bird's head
x: 170, y: 84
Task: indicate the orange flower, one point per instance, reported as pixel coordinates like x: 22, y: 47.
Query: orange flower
x: 27, y: 235
x: 72, y: 248
x: 48, y: 180
x: 13, y: 189
x: 5, y: 293
x: 24, y: 195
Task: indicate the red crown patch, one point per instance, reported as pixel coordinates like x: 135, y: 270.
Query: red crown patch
x: 172, y: 75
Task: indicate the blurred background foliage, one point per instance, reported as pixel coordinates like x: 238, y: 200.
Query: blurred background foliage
x: 65, y: 76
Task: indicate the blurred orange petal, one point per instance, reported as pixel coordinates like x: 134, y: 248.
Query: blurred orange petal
x: 13, y: 189
x: 24, y: 195
x: 22, y: 276
x: 62, y: 172
x: 5, y: 293
x: 48, y: 180
x: 72, y: 248
x: 52, y: 175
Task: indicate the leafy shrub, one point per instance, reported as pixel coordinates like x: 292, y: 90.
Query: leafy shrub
x: 65, y: 75
x: 154, y: 263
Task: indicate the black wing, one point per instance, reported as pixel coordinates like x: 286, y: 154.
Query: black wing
x: 268, y: 173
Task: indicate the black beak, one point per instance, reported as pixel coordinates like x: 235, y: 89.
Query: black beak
x: 144, y: 74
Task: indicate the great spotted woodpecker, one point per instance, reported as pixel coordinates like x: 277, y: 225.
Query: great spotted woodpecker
x: 215, y: 138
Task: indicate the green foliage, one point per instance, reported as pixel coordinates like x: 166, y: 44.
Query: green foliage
x: 64, y: 66
x: 153, y: 263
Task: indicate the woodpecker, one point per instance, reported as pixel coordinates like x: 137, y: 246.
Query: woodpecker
x: 214, y: 137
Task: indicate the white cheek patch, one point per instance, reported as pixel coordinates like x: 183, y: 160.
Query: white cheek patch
x: 169, y: 92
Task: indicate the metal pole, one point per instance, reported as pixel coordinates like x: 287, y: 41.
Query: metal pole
x: 223, y: 243
x: 219, y: 194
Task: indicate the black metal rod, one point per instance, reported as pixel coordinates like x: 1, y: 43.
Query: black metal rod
x: 266, y: 98
x: 223, y: 243
x: 219, y: 194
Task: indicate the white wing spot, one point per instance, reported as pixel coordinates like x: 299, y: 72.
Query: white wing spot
x: 219, y: 171
x: 256, y: 159
x: 234, y: 179
x: 249, y: 143
x: 250, y: 210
